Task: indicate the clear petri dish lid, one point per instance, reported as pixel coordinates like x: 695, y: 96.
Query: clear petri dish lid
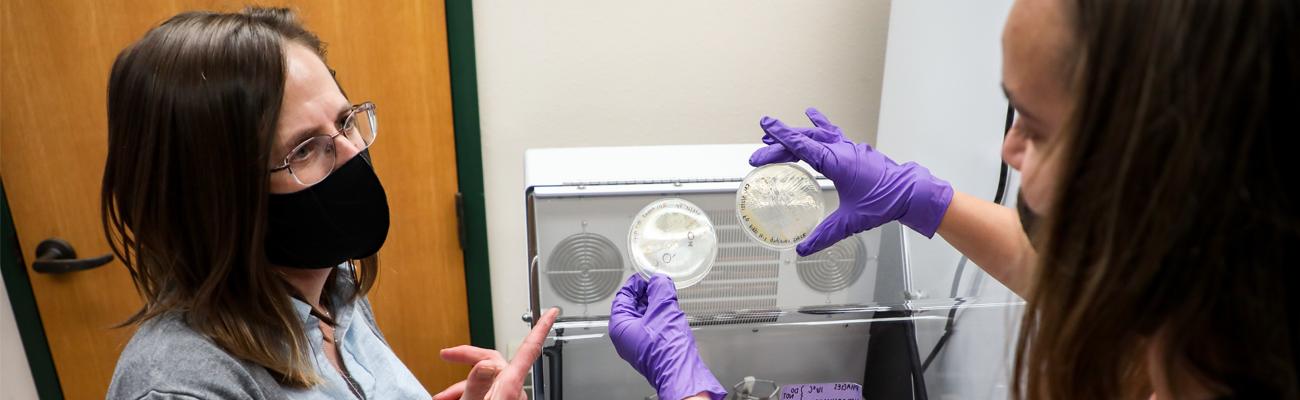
x: 779, y: 205
x: 675, y: 237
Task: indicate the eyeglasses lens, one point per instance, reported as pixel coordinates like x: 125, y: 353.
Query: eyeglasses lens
x: 313, y: 160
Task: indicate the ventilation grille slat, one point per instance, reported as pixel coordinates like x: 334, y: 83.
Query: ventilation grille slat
x: 585, y: 268
x: 745, y: 276
x: 742, y: 286
x: 834, y: 268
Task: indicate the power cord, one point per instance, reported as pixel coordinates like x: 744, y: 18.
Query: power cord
x: 998, y: 197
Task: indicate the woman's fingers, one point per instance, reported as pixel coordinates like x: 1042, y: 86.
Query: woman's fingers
x: 466, y: 354
x: 819, y: 120
x: 799, y: 144
x: 481, y: 379
x: 491, y: 375
x: 452, y: 392
x: 659, y: 292
x: 770, y: 154
x: 512, y: 378
x: 537, y: 337
x: 831, y: 230
x: 532, y: 346
x: 626, y: 301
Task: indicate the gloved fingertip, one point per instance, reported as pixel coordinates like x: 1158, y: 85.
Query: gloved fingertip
x: 804, y: 249
x: 633, y: 288
x: 764, y: 155
x: 777, y: 155
x: 816, y: 242
x: 660, y: 289
x: 659, y: 280
x: 773, y: 127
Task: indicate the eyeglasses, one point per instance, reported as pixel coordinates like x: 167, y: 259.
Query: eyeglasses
x: 312, y: 160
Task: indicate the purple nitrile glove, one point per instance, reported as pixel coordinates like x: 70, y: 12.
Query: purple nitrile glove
x: 650, y: 332
x: 873, y: 189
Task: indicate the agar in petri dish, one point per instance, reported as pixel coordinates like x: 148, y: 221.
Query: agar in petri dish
x: 779, y: 205
x: 674, y: 237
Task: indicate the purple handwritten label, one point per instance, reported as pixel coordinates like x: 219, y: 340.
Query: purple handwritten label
x: 822, y: 391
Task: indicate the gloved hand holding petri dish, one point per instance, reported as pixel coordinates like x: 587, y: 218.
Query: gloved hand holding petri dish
x: 674, y: 237
x: 779, y: 205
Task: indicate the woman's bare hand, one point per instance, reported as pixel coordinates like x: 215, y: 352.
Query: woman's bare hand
x: 493, y: 378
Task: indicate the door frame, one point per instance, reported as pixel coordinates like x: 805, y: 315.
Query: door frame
x: 469, y: 171
x: 23, y: 301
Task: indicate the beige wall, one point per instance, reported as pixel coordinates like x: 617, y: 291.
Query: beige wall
x: 15, y: 376
x: 599, y: 73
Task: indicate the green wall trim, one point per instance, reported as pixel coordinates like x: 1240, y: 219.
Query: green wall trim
x: 23, y: 301
x: 469, y: 169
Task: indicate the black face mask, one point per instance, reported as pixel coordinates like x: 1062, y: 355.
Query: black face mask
x: 1028, y: 219
x: 344, y: 217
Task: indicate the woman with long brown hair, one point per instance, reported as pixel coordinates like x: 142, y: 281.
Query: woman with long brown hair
x: 1154, y: 141
x: 239, y: 193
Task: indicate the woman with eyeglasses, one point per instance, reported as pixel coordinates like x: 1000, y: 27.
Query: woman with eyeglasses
x: 239, y: 193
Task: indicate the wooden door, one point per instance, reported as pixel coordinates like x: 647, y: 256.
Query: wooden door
x: 56, y: 57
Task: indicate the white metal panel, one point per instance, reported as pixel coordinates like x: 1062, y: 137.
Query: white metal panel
x: 564, y: 166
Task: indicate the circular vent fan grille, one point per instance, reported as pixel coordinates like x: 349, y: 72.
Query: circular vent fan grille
x: 834, y: 268
x: 584, y: 268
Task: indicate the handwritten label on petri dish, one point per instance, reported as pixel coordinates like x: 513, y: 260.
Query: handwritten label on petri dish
x: 674, y: 237
x: 822, y: 391
x: 778, y: 205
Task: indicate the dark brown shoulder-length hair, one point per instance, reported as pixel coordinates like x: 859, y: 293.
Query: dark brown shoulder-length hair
x: 192, y: 111
x: 1173, y: 241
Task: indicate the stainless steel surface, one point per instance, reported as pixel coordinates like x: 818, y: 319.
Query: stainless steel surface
x: 794, y: 348
x: 751, y: 388
x: 635, y: 188
x: 754, y: 314
x: 759, y: 312
x: 834, y: 268
x: 536, y: 306
x: 746, y: 280
x: 585, y: 268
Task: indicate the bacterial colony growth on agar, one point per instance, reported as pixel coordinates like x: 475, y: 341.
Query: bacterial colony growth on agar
x: 779, y: 205
x: 674, y: 237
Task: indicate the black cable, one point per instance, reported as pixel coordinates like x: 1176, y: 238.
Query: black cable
x: 919, y: 391
x: 952, y: 315
x: 1003, y: 173
x: 998, y: 197
x: 554, y: 354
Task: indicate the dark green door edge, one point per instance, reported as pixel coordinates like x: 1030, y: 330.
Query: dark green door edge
x: 469, y: 169
x: 23, y: 301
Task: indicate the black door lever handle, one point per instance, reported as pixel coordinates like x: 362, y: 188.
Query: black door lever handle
x: 56, y: 256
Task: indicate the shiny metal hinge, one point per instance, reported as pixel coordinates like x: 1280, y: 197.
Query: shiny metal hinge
x: 460, y: 219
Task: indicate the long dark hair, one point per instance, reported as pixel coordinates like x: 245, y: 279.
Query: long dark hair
x: 192, y: 111
x: 1174, y: 237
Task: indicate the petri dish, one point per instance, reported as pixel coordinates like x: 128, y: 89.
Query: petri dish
x: 674, y: 237
x: 779, y: 205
